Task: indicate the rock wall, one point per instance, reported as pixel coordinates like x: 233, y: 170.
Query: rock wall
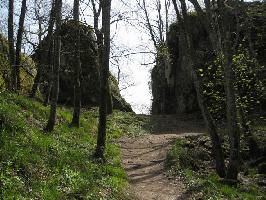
x: 172, y: 87
x: 90, y: 69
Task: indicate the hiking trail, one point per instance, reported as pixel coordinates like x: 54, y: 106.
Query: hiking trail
x: 143, y: 157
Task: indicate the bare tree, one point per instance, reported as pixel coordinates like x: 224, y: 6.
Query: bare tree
x: 226, y: 48
x: 149, y: 26
x: 96, y: 14
x: 158, y: 28
x: 55, y: 84
x: 43, y: 47
x: 192, y: 55
x: 18, y: 44
x: 11, y: 42
x: 77, y: 69
x: 106, y: 19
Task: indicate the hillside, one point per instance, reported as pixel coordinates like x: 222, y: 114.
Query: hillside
x: 147, y: 157
x: 59, y: 165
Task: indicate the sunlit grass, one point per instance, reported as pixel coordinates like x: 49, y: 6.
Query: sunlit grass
x: 57, y: 165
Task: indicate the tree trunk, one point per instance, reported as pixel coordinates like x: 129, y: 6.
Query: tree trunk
x: 11, y: 43
x: 231, y: 115
x: 77, y: 69
x: 37, y: 78
x: 149, y: 26
x: 55, y: 85
x: 209, y: 122
x: 109, y: 99
x: 19, y: 41
x: 106, y: 12
x: 221, y: 42
x: 253, y: 146
x: 50, y: 68
x: 96, y: 14
x: 44, y: 51
x: 212, y: 130
x: 228, y: 48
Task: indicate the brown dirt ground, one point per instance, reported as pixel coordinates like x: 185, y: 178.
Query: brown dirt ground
x: 143, y: 158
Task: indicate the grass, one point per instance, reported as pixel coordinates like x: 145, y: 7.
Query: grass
x: 207, y: 185
x: 59, y: 165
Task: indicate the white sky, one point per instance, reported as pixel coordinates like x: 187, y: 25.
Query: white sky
x: 137, y: 39
x: 138, y: 95
x: 133, y: 38
x: 129, y: 38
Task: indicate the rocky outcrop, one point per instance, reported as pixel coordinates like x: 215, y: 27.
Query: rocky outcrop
x: 172, y: 87
x: 90, y: 75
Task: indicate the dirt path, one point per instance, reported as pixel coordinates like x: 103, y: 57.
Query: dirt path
x: 143, y: 158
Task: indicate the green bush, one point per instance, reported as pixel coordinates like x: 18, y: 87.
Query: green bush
x: 249, y: 87
x: 28, y: 69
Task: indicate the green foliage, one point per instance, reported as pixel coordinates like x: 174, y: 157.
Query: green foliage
x: 250, y: 88
x: 4, y: 66
x: 256, y: 25
x: 214, y: 188
x: 27, y: 69
x: 177, y: 157
x: 60, y: 165
x: 163, y: 52
x: 27, y: 73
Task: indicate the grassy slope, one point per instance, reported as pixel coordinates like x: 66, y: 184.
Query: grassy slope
x: 35, y: 165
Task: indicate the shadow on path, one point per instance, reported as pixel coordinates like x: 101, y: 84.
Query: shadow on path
x: 144, y: 157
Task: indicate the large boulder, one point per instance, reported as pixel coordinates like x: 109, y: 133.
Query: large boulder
x: 90, y: 69
x: 172, y: 85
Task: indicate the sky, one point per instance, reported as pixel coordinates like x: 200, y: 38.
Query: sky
x: 129, y: 37
x: 136, y: 38
x: 139, y: 94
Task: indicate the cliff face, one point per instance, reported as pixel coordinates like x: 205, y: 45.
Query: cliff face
x: 172, y: 87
